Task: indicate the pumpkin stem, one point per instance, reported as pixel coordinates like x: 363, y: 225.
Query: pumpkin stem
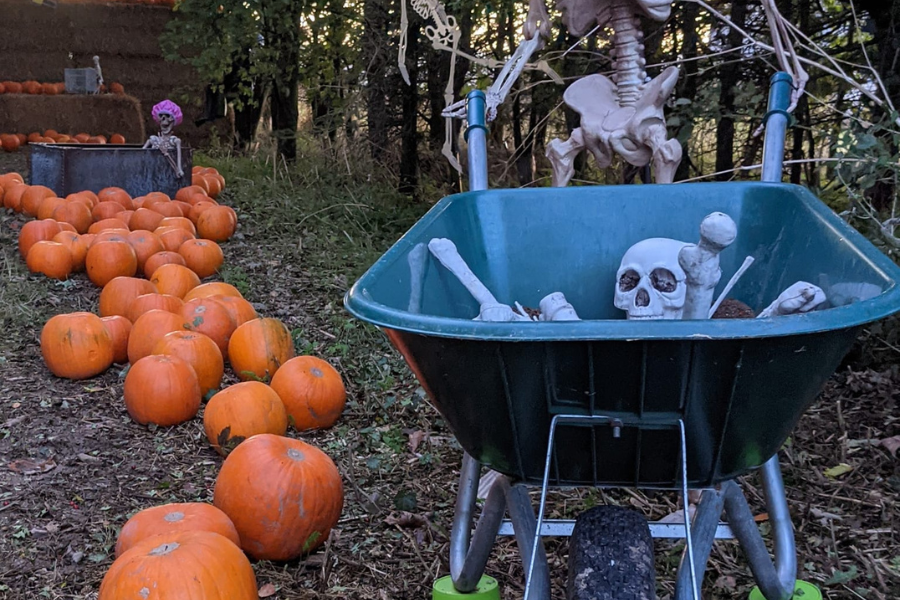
x: 173, y: 517
x: 164, y: 549
x: 295, y: 454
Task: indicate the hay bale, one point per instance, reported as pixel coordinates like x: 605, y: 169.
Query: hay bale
x: 104, y: 114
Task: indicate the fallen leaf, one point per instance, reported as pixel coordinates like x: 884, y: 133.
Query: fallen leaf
x: 267, y: 590
x: 88, y: 458
x: 29, y: 466
x: 761, y: 518
x: 416, y: 438
x: 838, y: 470
x: 406, y: 520
x: 891, y: 444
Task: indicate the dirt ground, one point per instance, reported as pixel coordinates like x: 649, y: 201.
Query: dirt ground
x: 74, y: 467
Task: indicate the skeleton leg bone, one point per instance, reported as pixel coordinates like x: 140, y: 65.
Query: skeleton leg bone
x: 562, y: 157
x: 701, y: 263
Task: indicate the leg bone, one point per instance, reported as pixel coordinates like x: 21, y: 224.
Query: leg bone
x: 562, y: 156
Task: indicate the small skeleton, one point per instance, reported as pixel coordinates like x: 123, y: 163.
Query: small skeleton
x: 99, y: 74
x: 167, y: 115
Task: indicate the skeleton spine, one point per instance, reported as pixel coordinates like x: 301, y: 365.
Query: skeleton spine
x: 629, y: 51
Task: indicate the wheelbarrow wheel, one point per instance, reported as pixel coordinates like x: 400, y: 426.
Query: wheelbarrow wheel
x: 611, y: 556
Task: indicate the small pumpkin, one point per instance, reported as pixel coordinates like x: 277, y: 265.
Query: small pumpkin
x: 76, y: 213
x: 162, y: 258
x: 77, y: 248
x: 154, y: 301
x: 144, y: 218
x: 119, y: 329
x: 312, y: 391
x: 162, y: 390
x: 174, y: 518
x: 185, y: 564
x: 258, y: 348
x: 241, y: 411
x: 180, y: 222
x: 47, y: 206
x: 185, y: 193
x: 33, y: 232
x: 213, y: 288
x: 203, y: 257
x: 104, y: 224
x: 145, y: 244
x: 166, y: 209
x: 51, y: 259
x: 117, y: 295
x: 200, y: 352
x: 117, y: 138
x: 149, y: 328
x: 107, y: 260
x: 283, y: 496
x: 173, y: 237
x: 106, y: 209
x: 76, y: 345
x: 211, y: 318
x: 12, y: 198
x: 32, y: 198
x: 216, y: 223
x: 241, y: 310
x: 116, y: 194
x: 174, y: 279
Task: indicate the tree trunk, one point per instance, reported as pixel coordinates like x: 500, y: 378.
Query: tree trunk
x: 375, y: 47
x: 283, y: 35
x: 687, y: 83
x: 409, y: 135
x: 729, y: 77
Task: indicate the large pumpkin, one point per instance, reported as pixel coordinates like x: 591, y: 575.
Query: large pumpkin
x: 174, y: 518
x: 283, y: 496
x: 120, y: 292
x: 174, y: 279
x: 107, y: 260
x: 240, y: 411
x: 203, y: 257
x: 76, y: 213
x: 200, y: 352
x: 210, y: 317
x: 31, y: 199
x: 144, y: 218
x: 216, y: 223
x: 149, y: 328
x: 186, y: 564
x: 258, y: 348
x: 51, y: 259
x: 162, y: 390
x: 76, y: 345
x: 312, y: 391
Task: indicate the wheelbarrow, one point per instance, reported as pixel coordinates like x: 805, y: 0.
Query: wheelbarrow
x: 664, y: 404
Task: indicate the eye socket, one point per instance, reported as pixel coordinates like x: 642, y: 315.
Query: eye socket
x: 629, y: 280
x: 663, y: 280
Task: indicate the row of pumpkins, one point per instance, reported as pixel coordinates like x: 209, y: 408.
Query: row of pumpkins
x: 275, y: 497
x: 10, y: 142
x: 48, y: 88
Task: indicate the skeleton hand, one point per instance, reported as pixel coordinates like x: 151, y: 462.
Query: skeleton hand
x: 799, y: 298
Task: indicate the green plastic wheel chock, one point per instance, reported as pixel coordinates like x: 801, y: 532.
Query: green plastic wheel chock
x: 802, y: 591
x: 487, y: 590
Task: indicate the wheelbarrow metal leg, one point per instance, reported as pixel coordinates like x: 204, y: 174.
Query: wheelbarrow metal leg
x: 521, y: 512
x: 704, y: 526
x: 776, y: 580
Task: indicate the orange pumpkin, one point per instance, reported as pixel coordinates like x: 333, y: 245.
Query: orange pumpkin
x: 113, y: 235
x: 149, y: 328
x: 12, y: 198
x: 184, y: 206
x: 200, y: 352
x: 185, y: 193
x: 241, y: 310
x: 77, y: 248
x: 166, y: 208
x: 117, y: 138
x: 312, y: 391
x: 211, y: 318
x: 241, y: 411
x: 51, y: 259
x: 13, y: 87
x: 145, y: 244
x: 31, y: 199
x: 216, y: 223
x: 162, y: 390
x: 174, y: 279
x: 106, y: 209
x: 203, y: 257
x: 175, y: 518
x: 48, y: 206
x: 125, y: 216
x: 186, y: 564
x: 119, y: 329
x: 258, y: 348
x: 105, y: 224
x: 198, y: 209
x: 283, y: 496
x: 11, y: 177
x: 76, y: 345
x: 161, y: 258
x: 119, y: 293
x: 33, y: 232
x: 76, y: 213
x: 173, y: 237
x: 179, y: 221
x: 9, y: 143
x: 107, y: 260
x: 155, y: 301
x: 213, y: 288
x: 146, y: 219
x: 116, y: 194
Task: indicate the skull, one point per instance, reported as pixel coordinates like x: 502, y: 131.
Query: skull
x: 650, y: 282
x: 166, y: 123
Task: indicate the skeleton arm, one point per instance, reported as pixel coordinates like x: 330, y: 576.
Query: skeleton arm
x: 799, y: 298
x: 178, y: 170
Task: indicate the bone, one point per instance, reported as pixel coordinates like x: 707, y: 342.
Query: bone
x: 801, y: 297
x: 701, y: 263
x: 497, y: 313
x: 417, y: 264
x: 731, y: 283
x: 445, y: 251
x: 555, y: 307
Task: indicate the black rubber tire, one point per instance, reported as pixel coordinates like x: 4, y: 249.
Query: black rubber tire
x: 611, y: 556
